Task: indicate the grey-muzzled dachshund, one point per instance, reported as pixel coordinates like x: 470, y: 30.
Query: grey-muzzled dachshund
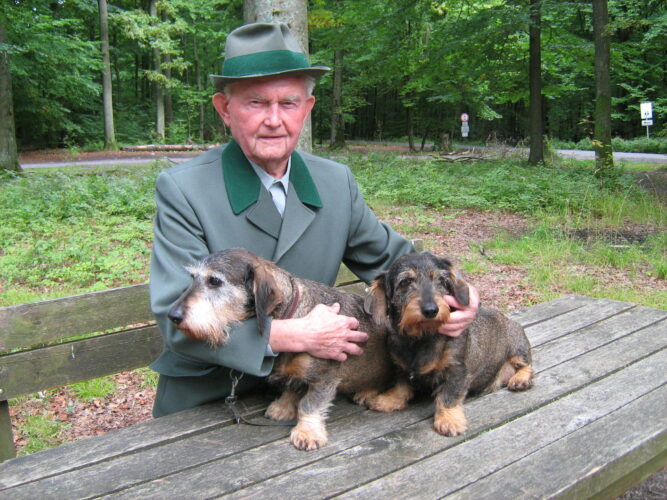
x: 233, y: 285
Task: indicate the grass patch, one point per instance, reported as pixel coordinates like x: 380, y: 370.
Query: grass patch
x: 98, y: 388
x: 42, y: 433
x: 559, y: 263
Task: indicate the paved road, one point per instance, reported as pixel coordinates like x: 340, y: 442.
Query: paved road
x: 618, y: 156
x: 565, y: 153
x: 98, y: 162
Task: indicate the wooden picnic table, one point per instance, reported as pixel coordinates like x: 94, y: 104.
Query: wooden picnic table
x: 594, y: 425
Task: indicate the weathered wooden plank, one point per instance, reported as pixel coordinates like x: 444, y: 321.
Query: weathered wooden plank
x: 39, y: 323
x: 7, y: 450
x: 588, y: 460
x: 598, y: 334
x: 412, y: 440
x: 62, y: 364
x: 109, y: 476
x: 531, y: 435
x: 229, y: 473
x: 548, y: 310
x: 130, y: 440
x: 577, y: 319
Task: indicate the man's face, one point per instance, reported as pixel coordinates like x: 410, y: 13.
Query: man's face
x: 266, y: 117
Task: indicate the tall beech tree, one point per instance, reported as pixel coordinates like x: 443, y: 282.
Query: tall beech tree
x: 536, y: 154
x: 9, y: 159
x: 604, y: 155
x: 107, y: 91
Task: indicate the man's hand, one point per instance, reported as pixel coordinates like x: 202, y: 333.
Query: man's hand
x: 461, y: 318
x: 322, y: 333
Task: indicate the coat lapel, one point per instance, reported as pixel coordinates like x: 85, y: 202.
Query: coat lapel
x: 244, y: 189
x: 296, y: 219
x: 265, y: 215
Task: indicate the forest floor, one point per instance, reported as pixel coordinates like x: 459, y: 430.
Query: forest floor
x: 458, y: 234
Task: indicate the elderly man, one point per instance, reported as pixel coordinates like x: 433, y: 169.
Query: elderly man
x: 303, y: 212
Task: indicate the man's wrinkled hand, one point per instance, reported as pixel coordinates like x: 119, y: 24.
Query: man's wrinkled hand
x: 461, y: 315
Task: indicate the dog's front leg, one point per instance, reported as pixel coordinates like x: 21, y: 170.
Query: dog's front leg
x: 285, y: 407
x: 449, y: 418
x: 310, y: 432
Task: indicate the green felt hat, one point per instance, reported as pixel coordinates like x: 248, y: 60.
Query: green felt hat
x: 263, y: 49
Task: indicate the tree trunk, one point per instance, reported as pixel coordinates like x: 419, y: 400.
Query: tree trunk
x: 9, y: 159
x: 337, y: 123
x: 202, y: 108
x: 604, y: 156
x: 409, y: 115
x: 294, y: 13
x: 107, y: 93
x: 535, y: 81
x: 168, y: 98
x: 157, y: 87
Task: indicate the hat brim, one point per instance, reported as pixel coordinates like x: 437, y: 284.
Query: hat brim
x: 220, y: 81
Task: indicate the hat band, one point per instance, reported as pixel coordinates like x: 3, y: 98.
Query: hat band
x: 264, y: 63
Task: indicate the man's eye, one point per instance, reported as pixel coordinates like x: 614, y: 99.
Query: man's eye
x: 213, y: 281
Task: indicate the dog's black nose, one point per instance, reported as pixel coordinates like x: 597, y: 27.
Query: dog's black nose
x: 429, y: 310
x: 175, y: 315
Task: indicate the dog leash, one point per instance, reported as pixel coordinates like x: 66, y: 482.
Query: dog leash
x: 238, y: 418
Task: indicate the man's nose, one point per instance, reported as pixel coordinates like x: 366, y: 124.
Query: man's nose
x: 272, y: 117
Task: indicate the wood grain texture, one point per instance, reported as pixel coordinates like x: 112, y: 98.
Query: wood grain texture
x: 39, y: 323
x: 499, y: 449
x: 31, y: 371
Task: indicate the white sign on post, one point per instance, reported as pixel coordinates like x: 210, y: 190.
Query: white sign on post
x: 465, y: 128
x: 646, y: 110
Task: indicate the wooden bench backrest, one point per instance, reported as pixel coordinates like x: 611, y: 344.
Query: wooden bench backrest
x: 71, y: 339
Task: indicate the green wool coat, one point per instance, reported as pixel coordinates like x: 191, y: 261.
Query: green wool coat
x: 216, y: 201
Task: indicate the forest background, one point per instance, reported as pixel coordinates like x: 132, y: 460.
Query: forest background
x: 408, y: 69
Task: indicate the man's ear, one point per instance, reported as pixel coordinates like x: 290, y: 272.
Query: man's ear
x: 221, y: 105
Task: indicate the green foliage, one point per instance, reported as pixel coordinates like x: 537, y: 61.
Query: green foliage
x: 636, y: 145
x: 65, y: 231
x: 560, y: 262
x: 492, y: 185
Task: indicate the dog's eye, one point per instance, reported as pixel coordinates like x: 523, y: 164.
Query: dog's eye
x: 213, y: 281
x: 404, y: 282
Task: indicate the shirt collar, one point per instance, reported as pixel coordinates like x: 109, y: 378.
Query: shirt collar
x: 243, y: 185
x: 268, y: 180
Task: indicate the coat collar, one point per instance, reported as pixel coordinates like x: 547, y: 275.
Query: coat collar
x: 243, y: 185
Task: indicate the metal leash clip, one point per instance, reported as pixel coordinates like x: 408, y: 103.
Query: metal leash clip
x: 230, y: 400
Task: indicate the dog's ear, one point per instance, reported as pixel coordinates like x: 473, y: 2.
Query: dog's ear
x: 375, y: 302
x: 265, y: 290
x: 460, y: 290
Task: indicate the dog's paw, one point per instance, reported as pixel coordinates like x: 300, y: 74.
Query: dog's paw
x: 522, y: 380
x: 388, y: 403
x: 280, y: 411
x: 308, y: 438
x: 365, y: 398
x: 450, y: 421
